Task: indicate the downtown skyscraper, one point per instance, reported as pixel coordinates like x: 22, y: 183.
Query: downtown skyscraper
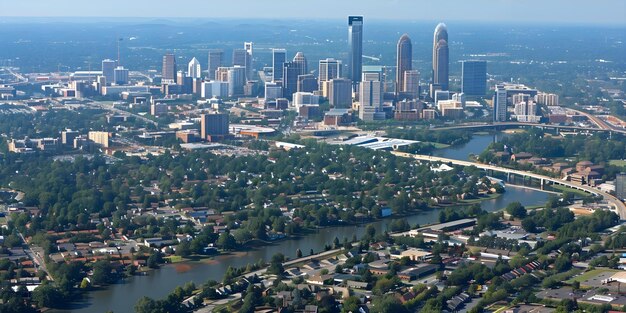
x: 441, y: 58
x: 474, y: 77
x: 216, y: 58
x: 355, y: 43
x: 404, y: 58
x: 194, y: 70
x: 278, y: 59
x: 169, y: 68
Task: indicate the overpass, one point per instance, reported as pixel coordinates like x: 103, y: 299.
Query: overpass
x: 537, y: 125
x: 619, y: 206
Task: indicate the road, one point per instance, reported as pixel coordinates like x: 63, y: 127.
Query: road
x: 518, y: 124
x: 112, y: 108
x: 619, y: 206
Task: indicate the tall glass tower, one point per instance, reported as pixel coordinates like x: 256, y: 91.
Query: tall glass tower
x: 403, y: 59
x: 441, y: 59
x: 355, y: 42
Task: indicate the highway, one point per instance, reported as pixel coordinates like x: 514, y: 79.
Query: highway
x: 618, y: 206
x: 118, y: 111
x: 519, y: 124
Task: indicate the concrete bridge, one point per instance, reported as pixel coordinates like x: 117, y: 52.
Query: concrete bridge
x: 618, y: 206
x: 503, y: 125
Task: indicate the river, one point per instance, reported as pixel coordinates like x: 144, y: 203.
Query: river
x: 123, y: 296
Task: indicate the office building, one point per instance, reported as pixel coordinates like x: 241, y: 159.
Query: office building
x: 194, y: 70
x: 168, y: 72
x: 547, y: 99
x: 440, y: 56
x: 236, y: 80
x: 214, y: 89
x: 340, y: 93
x: 474, y: 78
x: 120, y: 76
x: 278, y: 60
x: 214, y: 126
x: 620, y: 186
x: 499, y: 104
x: 300, y: 61
x: 329, y: 69
x: 355, y: 53
x: 108, y: 70
x: 305, y: 98
x: 290, y: 79
x: 411, y: 84
x: 442, y: 95
x: 184, y: 82
x: 273, y: 90
x: 221, y: 74
x: 100, y: 138
x: 404, y: 56
x: 216, y: 58
x: 67, y: 137
x: 307, y: 83
x: 239, y: 57
x: 370, y: 96
x: 248, y: 46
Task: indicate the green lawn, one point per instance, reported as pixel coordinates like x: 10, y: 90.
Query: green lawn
x: 590, y: 274
x: 562, y: 188
x: 175, y: 259
x: 436, y: 144
x: 620, y: 163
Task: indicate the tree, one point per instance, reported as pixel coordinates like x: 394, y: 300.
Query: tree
x: 226, y: 241
x: 102, y: 272
x: 47, y: 296
x: 516, y: 210
x: 351, y: 304
x: 276, y: 264
x: 298, y: 253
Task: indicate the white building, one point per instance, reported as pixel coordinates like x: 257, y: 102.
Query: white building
x: 194, y: 70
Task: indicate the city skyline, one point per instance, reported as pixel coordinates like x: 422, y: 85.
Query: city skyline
x: 558, y: 11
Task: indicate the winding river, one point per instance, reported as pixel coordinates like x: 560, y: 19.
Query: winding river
x: 123, y: 296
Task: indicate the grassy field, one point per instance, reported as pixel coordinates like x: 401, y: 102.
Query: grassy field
x: 436, y: 144
x: 571, y: 190
x: 590, y: 275
x: 620, y: 163
x: 175, y: 259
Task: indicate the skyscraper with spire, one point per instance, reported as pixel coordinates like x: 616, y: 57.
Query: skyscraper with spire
x: 355, y: 43
x: 194, y: 69
x: 403, y: 61
x: 441, y: 58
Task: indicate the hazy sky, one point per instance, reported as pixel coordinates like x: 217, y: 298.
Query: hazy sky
x: 543, y: 11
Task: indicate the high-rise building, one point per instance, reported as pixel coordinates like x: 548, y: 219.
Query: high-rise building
x: 307, y: 83
x: 370, y: 96
x: 248, y: 46
x: 239, y: 57
x: 300, y: 60
x: 278, y: 59
x: 340, y: 93
x: 221, y: 74
x: 404, y: 58
x: 236, y: 80
x: 499, y: 105
x: 291, y: 71
x: 547, y: 99
x: 441, y: 59
x: 169, y: 68
x: 474, y: 77
x: 411, y: 87
x: 273, y: 90
x: 329, y: 69
x: 108, y: 70
x: 355, y: 43
x: 120, y: 75
x: 216, y: 58
x: 620, y: 186
x: 194, y: 70
x: 214, y: 126
x: 305, y: 98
